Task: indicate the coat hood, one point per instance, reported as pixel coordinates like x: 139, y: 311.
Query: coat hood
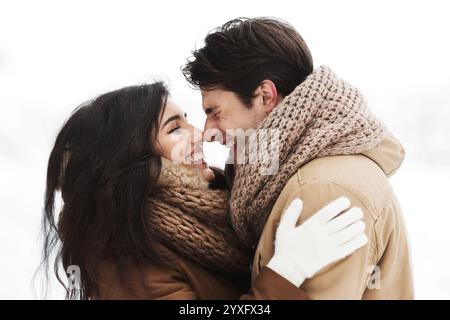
x: 388, y: 154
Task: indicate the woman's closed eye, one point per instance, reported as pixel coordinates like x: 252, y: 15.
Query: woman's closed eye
x: 178, y: 123
x: 176, y: 129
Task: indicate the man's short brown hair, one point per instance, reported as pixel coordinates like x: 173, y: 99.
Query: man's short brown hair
x: 243, y: 52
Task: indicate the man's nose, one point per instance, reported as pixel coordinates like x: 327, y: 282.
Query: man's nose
x: 211, y: 132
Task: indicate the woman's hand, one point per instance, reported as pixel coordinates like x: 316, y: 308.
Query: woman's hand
x: 327, y: 236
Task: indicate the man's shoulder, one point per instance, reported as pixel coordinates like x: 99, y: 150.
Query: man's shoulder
x: 349, y: 170
x: 324, y: 179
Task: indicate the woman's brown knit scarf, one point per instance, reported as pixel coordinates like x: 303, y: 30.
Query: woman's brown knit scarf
x: 194, y: 221
x: 323, y: 116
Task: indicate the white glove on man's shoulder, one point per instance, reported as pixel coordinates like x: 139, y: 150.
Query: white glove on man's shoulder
x: 327, y: 236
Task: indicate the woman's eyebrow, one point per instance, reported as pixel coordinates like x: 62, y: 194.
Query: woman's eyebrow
x: 172, y: 118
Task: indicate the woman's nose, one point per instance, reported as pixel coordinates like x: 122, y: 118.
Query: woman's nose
x: 197, y: 135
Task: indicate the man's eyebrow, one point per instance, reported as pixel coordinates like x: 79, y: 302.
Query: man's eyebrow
x: 209, y: 110
x: 172, y: 118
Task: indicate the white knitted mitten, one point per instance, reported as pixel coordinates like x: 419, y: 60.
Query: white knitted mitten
x: 301, y: 251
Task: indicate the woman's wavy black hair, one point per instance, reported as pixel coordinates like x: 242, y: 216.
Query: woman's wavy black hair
x: 105, y: 165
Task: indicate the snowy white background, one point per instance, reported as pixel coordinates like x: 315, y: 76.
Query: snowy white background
x: 56, y: 54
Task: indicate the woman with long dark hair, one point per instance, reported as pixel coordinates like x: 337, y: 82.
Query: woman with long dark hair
x: 140, y: 225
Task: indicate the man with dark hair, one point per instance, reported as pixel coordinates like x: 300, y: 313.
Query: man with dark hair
x: 322, y: 141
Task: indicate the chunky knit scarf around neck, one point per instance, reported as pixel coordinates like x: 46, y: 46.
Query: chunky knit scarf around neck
x: 194, y: 221
x: 323, y: 116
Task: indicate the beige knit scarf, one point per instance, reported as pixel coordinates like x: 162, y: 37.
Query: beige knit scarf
x: 194, y: 221
x: 323, y: 116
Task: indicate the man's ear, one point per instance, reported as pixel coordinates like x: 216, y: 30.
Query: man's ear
x: 269, y: 95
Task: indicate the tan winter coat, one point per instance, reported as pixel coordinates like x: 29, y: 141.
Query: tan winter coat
x: 381, y: 269
x: 185, y: 280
